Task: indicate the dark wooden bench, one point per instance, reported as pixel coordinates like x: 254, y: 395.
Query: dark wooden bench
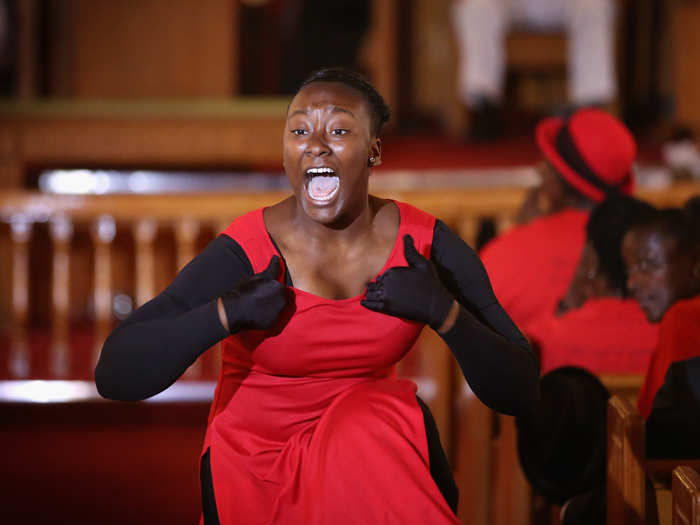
x: 638, y: 487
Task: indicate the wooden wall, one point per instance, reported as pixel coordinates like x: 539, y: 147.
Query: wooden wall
x: 142, y: 48
x: 686, y: 62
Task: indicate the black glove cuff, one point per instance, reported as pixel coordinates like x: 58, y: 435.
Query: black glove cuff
x: 442, y: 304
x: 231, y: 302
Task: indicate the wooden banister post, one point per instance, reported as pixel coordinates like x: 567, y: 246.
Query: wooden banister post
x: 20, y: 233
x: 145, y: 232
x: 103, y: 232
x: 61, y: 230
x: 186, y: 232
x: 468, y: 229
x: 686, y: 496
x: 503, y: 223
x: 626, y: 479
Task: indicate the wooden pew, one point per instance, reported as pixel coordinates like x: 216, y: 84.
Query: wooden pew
x: 630, y: 474
x: 686, y: 496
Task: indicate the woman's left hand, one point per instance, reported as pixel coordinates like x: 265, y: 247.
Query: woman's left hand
x: 414, y: 292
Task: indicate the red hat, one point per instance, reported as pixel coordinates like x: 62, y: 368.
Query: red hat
x: 592, y: 150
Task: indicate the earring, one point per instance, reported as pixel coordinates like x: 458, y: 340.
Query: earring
x: 372, y: 160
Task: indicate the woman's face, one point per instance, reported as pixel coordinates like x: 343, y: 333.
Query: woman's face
x: 657, y: 273
x: 327, y: 144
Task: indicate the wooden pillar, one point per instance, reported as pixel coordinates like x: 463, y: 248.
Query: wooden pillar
x: 103, y: 232
x: 19, y: 358
x: 61, y: 230
x: 511, y: 500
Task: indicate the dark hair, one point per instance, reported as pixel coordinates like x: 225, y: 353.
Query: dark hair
x: 680, y: 224
x: 607, y: 225
x: 378, y: 110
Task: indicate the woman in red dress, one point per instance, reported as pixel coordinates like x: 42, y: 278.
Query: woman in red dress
x: 316, y: 299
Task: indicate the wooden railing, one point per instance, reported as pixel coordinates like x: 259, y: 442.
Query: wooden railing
x: 92, y: 246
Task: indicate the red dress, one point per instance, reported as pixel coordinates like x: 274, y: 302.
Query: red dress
x: 531, y: 266
x: 606, y: 336
x: 309, y: 424
x: 679, y: 339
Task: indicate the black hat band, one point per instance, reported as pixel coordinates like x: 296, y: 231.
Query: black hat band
x: 568, y: 151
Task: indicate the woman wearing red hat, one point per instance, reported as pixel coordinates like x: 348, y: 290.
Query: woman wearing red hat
x: 586, y: 157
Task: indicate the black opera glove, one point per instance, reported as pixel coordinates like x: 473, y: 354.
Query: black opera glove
x: 414, y: 292
x: 255, y: 303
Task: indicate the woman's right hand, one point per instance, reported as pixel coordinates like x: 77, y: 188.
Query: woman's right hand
x: 256, y: 303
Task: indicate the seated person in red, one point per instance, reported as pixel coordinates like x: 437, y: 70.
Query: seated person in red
x: 596, y: 326
x: 663, y: 262
x: 562, y: 444
x: 586, y: 158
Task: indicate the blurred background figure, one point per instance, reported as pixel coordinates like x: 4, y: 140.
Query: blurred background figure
x: 321, y: 34
x: 562, y: 447
x: 585, y: 159
x: 663, y: 264
x: 596, y: 325
x: 481, y: 29
x: 285, y: 40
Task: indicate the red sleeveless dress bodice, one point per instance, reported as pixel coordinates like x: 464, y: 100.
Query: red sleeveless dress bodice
x: 309, y: 424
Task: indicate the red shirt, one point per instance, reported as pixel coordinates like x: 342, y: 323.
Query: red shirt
x: 605, y: 335
x: 679, y: 339
x: 530, y: 266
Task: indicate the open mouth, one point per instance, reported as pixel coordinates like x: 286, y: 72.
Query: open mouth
x: 322, y: 184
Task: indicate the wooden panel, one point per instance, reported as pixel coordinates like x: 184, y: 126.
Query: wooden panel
x: 472, y: 452
x: 511, y: 496
x: 144, y: 48
x: 686, y: 56
x: 535, y: 50
x: 167, y: 142
x: 27, y: 63
x: 170, y: 134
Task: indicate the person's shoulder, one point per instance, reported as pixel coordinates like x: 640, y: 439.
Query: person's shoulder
x: 410, y: 213
x: 542, y: 230
x: 683, y: 312
x: 244, y: 224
